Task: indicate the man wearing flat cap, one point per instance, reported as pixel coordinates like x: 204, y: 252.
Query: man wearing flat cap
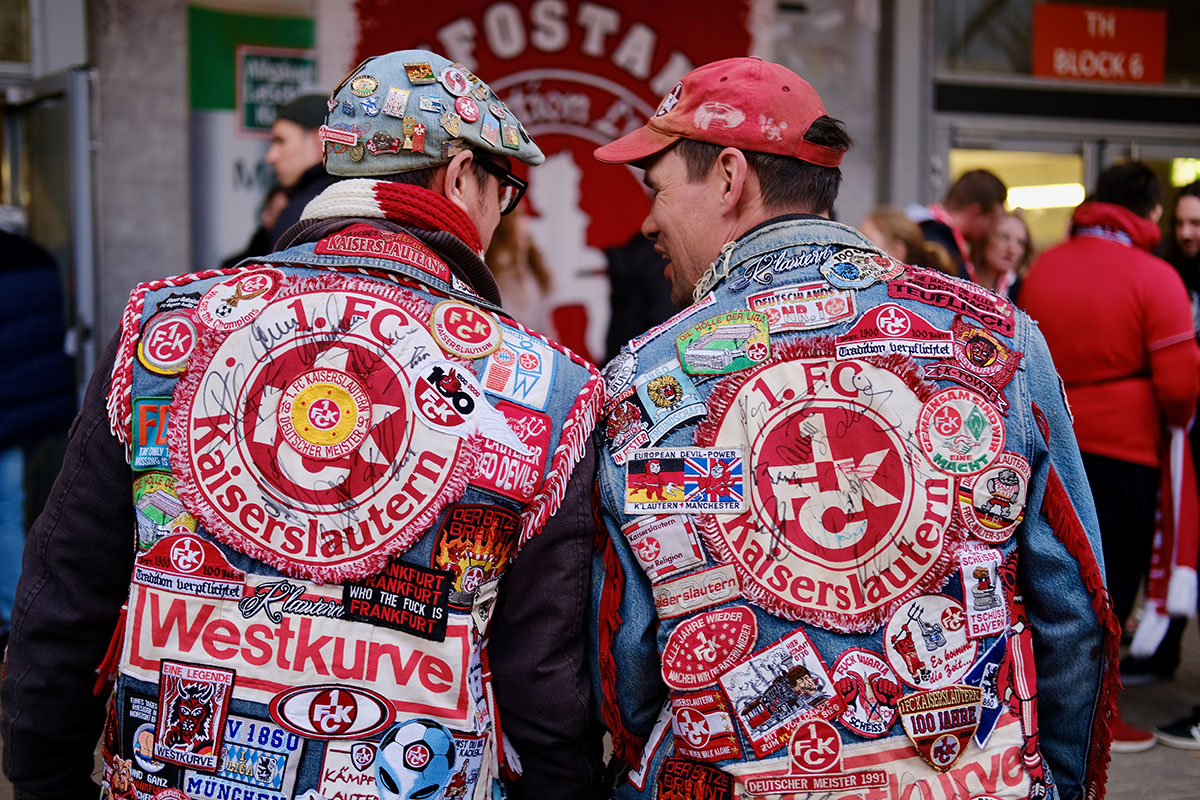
x: 325, y: 520
x: 297, y: 156
x: 797, y: 475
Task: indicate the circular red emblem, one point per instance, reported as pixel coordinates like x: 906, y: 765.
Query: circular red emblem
x: 692, y: 726
x: 166, y: 343
x: 703, y: 647
x: 816, y: 746
x: 333, y: 712
x: 186, y: 554
x: 416, y: 755
x: 237, y: 301
x: 464, y: 330
x: 300, y: 445
x: 648, y: 549
x: 944, y: 750
x: 992, y: 503
x: 846, y: 511
x: 467, y: 108
x: 893, y: 322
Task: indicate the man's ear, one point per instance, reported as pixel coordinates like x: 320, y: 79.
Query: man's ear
x: 454, y: 177
x: 731, y: 173
x: 1156, y: 214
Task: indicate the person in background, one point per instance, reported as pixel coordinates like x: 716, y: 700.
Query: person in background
x: 396, y: 548
x: 261, y: 242
x: 295, y: 155
x: 974, y: 204
x: 785, y: 575
x: 521, y: 274
x: 1119, y: 326
x: 1003, y: 256
x: 1182, y: 251
x: 894, y: 233
x: 39, y: 376
x: 639, y: 293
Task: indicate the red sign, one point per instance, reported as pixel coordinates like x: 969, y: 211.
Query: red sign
x: 577, y: 74
x: 1098, y: 44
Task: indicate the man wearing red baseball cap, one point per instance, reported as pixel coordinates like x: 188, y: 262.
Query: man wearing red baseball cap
x: 826, y: 427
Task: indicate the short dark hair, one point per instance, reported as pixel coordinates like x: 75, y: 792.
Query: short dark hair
x: 785, y: 182
x: 976, y: 186
x: 1191, y: 190
x: 424, y: 177
x: 1132, y: 185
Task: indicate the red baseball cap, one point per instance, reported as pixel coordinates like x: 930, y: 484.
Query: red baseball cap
x: 746, y: 103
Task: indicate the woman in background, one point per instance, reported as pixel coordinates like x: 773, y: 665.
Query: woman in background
x: 1003, y: 255
x: 901, y: 238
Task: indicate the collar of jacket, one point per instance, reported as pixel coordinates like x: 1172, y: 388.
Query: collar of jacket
x: 1144, y: 233
x: 788, y: 230
x: 461, y: 259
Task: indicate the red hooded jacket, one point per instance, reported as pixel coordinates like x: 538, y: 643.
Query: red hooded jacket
x: 1119, y: 325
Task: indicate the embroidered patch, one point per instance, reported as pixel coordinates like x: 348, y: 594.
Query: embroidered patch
x: 940, y: 722
x: 985, y: 673
x: 637, y: 343
x: 158, y: 509
x: 166, y: 342
x: 324, y: 414
x: 777, y: 688
x: 272, y: 597
x: 803, y: 306
x: 470, y: 751
x: 935, y: 289
x: 347, y: 770
x: 404, y: 597
x: 511, y: 473
x: 626, y: 426
x: 193, y: 702
x: 815, y: 764
x: 640, y: 769
x: 869, y: 688
x: 684, y: 479
x: 703, y: 728
x: 365, y: 241
x: 669, y: 400
x: 939, y: 652
x: 475, y: 543
x: 140, y: 713
x: 187, y: 564
x: 960, y: 432
x: 705, y: 646
x: 521, y: 369
x: 242, y: 477
x: 762, y: 269
x: 845, y: 519
x: 991, y: 504
x: 725, y: 343
x: 891, y: 329
x: 981, y: 362
x: 449, y: 398
x: 151, y: 423
x: 664, y: 546
x: 680, y: 779
x: 618, y: 374
x: 464, y: 330
x: 257, y: 754
x: 697, y: 591
x: 983, y: 595
x: 238, y: 301
x: 857, y: 269
x: 332, y: 711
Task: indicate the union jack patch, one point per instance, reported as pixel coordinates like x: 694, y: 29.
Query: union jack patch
x: 685, y: 479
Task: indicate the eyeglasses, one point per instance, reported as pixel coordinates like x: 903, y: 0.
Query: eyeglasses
x: 512, y: 188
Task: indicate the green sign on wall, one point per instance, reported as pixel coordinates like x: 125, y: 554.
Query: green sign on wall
x: 268, y: 78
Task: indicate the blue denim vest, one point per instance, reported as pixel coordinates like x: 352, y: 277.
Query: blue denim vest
x: 827, y: 486
x: 334, y: 465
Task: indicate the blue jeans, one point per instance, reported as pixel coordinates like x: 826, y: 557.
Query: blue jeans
x: 12, y: 529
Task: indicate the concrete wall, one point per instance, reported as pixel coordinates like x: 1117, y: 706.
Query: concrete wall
x: 834, y: 45
x: 140, y: 113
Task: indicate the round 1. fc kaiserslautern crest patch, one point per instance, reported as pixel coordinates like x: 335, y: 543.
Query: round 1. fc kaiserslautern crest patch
x: 296, y: 439
x: 846, y: 517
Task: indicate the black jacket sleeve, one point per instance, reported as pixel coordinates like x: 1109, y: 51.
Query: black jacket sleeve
x: 537, y: 653
x: 75, y: 578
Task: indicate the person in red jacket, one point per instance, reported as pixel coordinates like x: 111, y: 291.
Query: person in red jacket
x: 1119, y: 326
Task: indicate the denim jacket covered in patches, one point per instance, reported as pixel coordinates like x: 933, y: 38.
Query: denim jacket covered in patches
x: 848, y: 546
x: 337, y: 454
